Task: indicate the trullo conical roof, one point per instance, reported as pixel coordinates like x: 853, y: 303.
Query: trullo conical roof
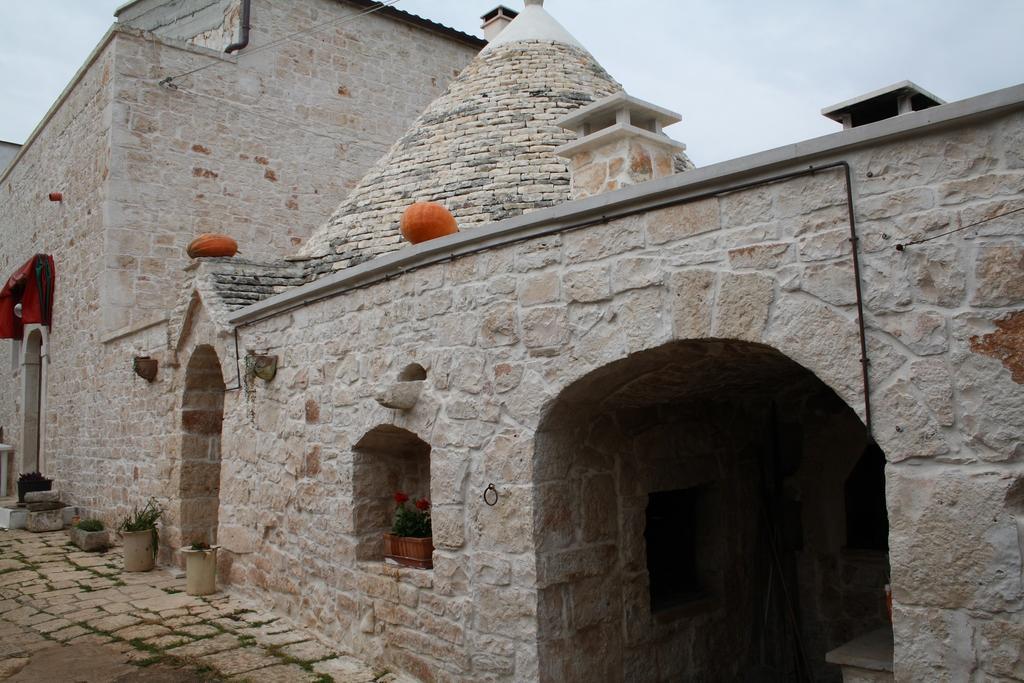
x: 484, y: 149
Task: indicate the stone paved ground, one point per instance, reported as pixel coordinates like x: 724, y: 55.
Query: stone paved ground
x: 75, y: 616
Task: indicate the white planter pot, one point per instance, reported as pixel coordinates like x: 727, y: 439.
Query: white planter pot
x: 200, y: 570
x: 139, y: 552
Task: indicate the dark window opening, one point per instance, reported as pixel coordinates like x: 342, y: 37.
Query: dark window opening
x: 867, y: 522
x: 671, y: 539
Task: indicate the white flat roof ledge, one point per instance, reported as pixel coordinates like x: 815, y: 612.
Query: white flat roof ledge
x: 619, y: 131
x: 637, y: 108
x: 872, y: 651
x: 645, y: 196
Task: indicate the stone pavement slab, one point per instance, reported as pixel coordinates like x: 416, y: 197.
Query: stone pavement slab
x: 240, y: 660
x: 72, y: 616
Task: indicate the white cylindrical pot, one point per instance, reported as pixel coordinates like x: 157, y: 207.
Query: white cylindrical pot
x: 139, y: 551
x: 200, y: 571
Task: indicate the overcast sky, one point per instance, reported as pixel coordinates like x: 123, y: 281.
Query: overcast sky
x: 746, y: 75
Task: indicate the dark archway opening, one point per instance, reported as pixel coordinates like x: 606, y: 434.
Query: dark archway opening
x: 692, y: 520
x: 202, y: 417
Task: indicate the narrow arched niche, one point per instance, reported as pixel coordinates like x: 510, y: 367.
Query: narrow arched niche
x: 385, y: 460
x: 414, y: 372
x: 202, y: 417
x: 32, y: 402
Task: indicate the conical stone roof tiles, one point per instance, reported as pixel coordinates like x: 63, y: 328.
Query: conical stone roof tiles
x: 484, y: 149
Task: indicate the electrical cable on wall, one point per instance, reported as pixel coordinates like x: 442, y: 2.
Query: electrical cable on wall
x: 903, y: 245
x: 294, y: 125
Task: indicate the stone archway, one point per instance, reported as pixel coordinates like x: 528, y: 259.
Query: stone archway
x: 690, y: 521
x: 202, y: 416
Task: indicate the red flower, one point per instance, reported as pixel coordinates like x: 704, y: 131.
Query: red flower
x: 423, y: 504
x: 401, y: 497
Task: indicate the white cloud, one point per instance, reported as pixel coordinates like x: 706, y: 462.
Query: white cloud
x: 745, y: 74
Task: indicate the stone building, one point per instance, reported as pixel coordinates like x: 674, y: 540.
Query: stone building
x: 675, y: 423
x: 260, y: 143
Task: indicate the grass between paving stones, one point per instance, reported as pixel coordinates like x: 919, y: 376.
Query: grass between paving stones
x: 304, y: 664
x: 158, y: 656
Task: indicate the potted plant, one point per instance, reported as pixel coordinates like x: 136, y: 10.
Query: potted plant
x: 138, y: 529
x: 32, y: 481
x: 90, y: 535
x: 200, y: 569
x: 410, y: 542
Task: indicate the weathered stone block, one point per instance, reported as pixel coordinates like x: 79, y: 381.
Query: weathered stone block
x: 760, y: 256
x: 992, y: 286
x: 539, y: 289
x: 682, y: 221
x: 601, y: 241
x: 741, y: 308
x: 951, y: 543
x: 636, y: 273
x: 90, y: 541
x: 45, y: 520
x: 545, y: 327
x: 587, y: 284
x: 691, y: 294
x: 42, y: 497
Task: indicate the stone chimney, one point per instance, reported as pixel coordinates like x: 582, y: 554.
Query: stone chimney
x: 619, y: 143
x: 895, y: 100
x: 496, y: 20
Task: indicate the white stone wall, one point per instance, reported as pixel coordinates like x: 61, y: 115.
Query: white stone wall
x: 269, y: 149
x: 70, y: 155
x: 503, y: 332
x: 262, y: 150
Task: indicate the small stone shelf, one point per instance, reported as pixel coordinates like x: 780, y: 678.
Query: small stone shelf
x: 867, y: 659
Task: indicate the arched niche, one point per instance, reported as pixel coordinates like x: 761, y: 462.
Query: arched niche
x: 202, y: 416
x: 386, y: 459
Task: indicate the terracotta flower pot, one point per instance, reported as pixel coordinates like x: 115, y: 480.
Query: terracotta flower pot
x: 139, y: 550
x: 410, y: 552
x: 426, y: 221
x: 211, y: 244
x: 200, y: 570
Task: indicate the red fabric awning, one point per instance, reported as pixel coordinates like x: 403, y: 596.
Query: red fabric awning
x: 32, y: 287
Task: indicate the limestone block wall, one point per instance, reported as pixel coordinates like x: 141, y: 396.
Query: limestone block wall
x: 503, y: 332
x: 260, y: 147
x: 70, y: 155
x: 289, y: 130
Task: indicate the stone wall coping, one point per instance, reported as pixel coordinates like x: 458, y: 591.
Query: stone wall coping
x: 620, y: 131
x: 107, y: 38
x: 645, y: 196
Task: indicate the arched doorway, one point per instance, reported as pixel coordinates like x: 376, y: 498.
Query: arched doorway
x: 691, y: 520
x: 202, y: 415
x: 32, y: 401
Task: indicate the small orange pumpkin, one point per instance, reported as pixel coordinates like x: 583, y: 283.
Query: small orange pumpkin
x: 426, y: 221
x: 212, y: 244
